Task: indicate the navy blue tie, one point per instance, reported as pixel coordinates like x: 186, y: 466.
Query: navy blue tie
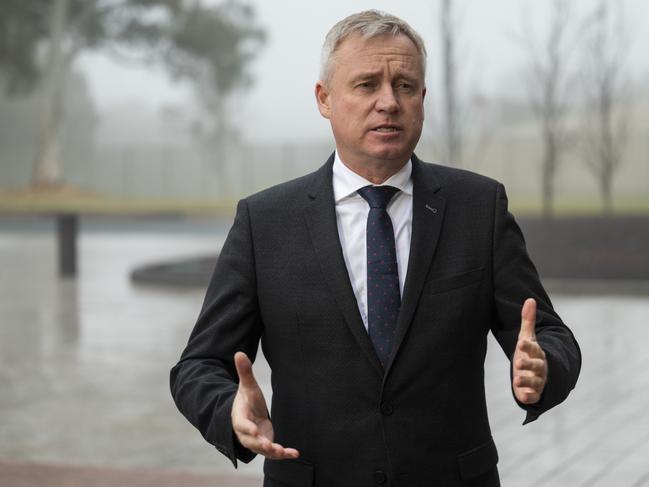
x: 383, y: 296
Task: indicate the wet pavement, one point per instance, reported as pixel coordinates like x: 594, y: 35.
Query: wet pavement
x: 84, y: 375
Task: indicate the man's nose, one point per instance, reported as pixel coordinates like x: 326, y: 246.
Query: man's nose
x: 387, y: 101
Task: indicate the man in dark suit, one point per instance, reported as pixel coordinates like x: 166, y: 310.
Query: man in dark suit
x: 372, y: 285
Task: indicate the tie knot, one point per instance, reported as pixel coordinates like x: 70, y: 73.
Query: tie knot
x: 378, y: 196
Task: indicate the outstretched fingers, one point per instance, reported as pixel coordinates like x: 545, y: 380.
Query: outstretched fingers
x: 528, y: 320
x: 250, y: 421
x: 245, y: 427
x: 530, y: 368
x: 262, y: 445
x: 531, y: 349
x: 244, y: 370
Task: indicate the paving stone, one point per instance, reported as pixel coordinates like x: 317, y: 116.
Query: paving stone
x: 22, y: 474
x: 84, y: 377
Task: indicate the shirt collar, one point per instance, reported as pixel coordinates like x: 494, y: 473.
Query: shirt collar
x: 346, y: 182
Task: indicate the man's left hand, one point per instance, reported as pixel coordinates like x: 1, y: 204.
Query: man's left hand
x: 529, y: 364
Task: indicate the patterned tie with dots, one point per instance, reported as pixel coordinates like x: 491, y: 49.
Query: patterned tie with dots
x: 383, y: 296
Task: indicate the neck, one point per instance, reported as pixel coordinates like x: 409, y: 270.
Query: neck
x: 376, y: 173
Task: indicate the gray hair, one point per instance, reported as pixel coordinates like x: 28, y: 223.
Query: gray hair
x: 368, y: 24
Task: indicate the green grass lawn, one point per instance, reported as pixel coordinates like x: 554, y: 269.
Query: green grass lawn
x: 567, y: 207
x: 35, y: 201
x: 74, y: 200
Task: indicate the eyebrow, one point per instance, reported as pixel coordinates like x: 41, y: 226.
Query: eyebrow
x: 398, y: 73
x: 376, y: 74
x: 366, y: 75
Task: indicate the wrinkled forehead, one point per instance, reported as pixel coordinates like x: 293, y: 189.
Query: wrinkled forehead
x: 355, y: 51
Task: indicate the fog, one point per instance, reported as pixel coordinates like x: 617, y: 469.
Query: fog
x: 130, y: 130
x: 280, y: 105
x: 143, y: 182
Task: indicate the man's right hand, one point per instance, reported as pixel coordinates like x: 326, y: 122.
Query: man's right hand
x: 250, y: 420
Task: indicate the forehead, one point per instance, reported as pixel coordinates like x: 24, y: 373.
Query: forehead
x: 356, y: 53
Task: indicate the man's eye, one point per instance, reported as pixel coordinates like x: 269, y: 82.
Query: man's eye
x: 366, y: 85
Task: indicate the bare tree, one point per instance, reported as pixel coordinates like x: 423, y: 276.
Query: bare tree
x: 461, y: 121
x: 210, y: 45
x: 548, y: 78
x: 47, y: 169
x: 603, y: 85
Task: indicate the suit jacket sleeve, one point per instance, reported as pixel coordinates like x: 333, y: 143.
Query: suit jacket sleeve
x: 516, y: 279
x: 204, y: 382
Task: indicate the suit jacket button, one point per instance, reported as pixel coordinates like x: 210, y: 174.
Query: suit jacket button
x: 386, y: 408
x: 380, y: 477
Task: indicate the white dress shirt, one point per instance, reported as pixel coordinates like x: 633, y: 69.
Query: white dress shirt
x: 351, y: 217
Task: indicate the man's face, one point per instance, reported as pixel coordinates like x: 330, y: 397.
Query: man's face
x: 374, y: 100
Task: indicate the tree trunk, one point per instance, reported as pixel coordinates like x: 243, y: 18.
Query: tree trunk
x: 606, y: 184
x: 548, y: 189
x: 550, y: 156
x: 452, y: 140
x: 47, y: 165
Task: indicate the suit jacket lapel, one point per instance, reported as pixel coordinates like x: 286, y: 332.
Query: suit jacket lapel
x: 320, y: 215
x: 427, y: 216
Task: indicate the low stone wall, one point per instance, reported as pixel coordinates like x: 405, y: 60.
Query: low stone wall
x: 571, y: 249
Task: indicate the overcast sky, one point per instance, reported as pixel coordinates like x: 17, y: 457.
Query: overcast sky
x: 280, y: 106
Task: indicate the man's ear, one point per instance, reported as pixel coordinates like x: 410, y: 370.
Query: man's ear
x: 423, y: 97
x: 322, y: 97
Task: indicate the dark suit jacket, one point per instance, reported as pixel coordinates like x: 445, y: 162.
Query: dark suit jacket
x: 420, y: 422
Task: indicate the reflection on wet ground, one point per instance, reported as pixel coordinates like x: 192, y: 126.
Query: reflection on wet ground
x: 84, y: 370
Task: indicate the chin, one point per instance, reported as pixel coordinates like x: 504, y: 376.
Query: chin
x: 394, y: 155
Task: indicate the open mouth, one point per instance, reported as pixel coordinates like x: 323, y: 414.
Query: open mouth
x: 387, y: 129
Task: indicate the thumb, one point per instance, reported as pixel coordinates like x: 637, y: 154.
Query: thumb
x: 244, y: 370
x: 528, y: 320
